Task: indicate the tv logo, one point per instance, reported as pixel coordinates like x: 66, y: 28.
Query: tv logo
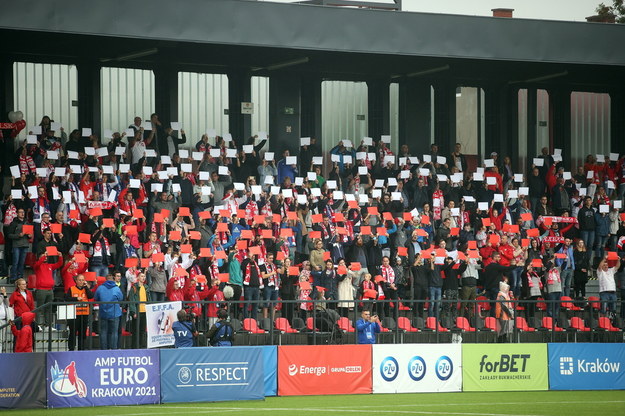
x: 566, y: 366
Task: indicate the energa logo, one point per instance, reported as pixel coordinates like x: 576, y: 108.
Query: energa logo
x: 66, y: 383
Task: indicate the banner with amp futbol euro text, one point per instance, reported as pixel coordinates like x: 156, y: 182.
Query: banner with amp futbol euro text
x: 22, y: 381
x: 327, y: 369
x: 103, y: 378
x: 504, y: 367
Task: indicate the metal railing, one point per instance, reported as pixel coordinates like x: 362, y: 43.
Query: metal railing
x: 323, y: 327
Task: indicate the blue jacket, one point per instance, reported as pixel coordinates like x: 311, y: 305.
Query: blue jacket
x: 109, y: 292
x: 602, y: 224
x: 183, y: 334
x: 366, y: 331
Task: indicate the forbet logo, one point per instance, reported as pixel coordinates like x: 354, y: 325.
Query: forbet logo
x: 566, y: 366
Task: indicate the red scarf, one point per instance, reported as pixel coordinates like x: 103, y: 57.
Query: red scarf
x: 388, y: 274
x: 248, y: 274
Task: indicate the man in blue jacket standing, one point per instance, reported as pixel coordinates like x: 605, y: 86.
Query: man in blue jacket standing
x: 367, y: 326
x: 109, y: 313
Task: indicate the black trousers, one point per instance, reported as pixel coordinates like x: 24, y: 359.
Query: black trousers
x: 77, y: 328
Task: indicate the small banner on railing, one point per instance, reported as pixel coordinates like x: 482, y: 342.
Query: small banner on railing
x: 159, y: 320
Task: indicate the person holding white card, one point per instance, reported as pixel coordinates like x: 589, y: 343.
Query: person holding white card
x: 265, y: 170
x: 285, y: 170
x: 306, y: 154
x: 168, y: 144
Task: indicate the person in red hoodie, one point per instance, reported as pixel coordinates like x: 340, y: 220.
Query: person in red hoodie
x: 72, y: 269
x: 45, y: 284
x: 21, y: 299
x: 173, y: 291
x: 506, y: 251
x: 24, y: 335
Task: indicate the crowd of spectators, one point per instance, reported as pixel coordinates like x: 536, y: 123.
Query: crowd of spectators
x: 224, y: 218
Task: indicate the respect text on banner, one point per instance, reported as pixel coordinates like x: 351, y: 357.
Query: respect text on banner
x: 212, y: 374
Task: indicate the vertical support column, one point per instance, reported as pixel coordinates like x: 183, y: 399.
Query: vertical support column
x: 166, y: 93
x: 617, y: 121
x: 560, y: 121
x: 6, y: 88
x: 89, y: 96
x: 415, y: 112
x: 311, y: 107
x: 284, y: 112
x: 378, y: 98
x: 239, y: 90
x: 501, y: 121
x: 532, y: 125
x: 6, y: 105
x: 445, y: 117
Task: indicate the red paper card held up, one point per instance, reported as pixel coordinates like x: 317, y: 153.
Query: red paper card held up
x: 108, y: 222
x: 131, y: 262
x: 355, y: 266
x: 84, y: 238
x: 293, y: 270
x: 28, y: 229
x: 56, y: 228
x: 314, y: 234
x: 158, y: 257
x: 402, y: 251
x: 52, y: 251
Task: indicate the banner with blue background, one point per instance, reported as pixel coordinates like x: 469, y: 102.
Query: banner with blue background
x: 586, y: 366
x: 212, y: 374
x: 103, y: 378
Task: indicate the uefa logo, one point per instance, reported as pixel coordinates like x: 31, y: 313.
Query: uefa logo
x: 444, y: 368
x: 389, y: 369
x: 566, y: 366
x: 416, y: 368
x: 184, y: 375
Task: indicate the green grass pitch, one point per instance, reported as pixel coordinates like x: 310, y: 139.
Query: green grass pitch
x: 575, y: 403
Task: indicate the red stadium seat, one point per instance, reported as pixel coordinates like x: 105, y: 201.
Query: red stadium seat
x: 283, y: 325
x: 432, y: 324
x: 251, y: 326
x: 404, y: 324
x: 345, y: 325
x: 522, y: 325
x: 463, y: 324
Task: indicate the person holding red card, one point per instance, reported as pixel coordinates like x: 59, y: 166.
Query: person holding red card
x: 45, y: 282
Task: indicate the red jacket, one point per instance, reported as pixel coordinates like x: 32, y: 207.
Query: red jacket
x: 21, y: 305
x: 507, y: 254
x: 174, y: 294
x: 24, y: 336
x: 70, y: 270
x: 43, y: 270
